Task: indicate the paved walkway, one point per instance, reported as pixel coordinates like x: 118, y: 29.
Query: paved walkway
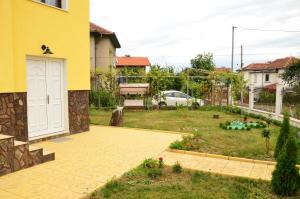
x: 220, y: 166
x: 84, y: 162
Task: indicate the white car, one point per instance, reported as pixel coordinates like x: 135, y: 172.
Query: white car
x: 176, y: 98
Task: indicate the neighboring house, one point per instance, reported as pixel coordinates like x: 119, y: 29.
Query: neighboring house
x: 223, y: 69
x: 103, y: 44
x: 132, y: 62
x: 267, y: 75
x: 44, y: 67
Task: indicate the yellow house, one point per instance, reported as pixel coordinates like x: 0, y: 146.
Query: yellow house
x: 44, y: 67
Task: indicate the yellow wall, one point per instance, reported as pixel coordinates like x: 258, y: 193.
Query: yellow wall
x: 65, y: 32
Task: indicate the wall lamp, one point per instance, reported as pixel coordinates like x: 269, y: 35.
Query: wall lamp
x: 46, y: 50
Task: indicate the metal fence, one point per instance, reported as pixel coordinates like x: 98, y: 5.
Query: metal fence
x: 105, y: 91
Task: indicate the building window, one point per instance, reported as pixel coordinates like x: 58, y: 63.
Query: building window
x: 56, y: 3
x: 255, y: 78
x: 267, y: 78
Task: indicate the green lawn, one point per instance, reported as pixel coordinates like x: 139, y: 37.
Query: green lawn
x: 187, y: 184
x: 209, y: 137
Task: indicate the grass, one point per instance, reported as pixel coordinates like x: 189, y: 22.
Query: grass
x: 208, y: 136
x: 186, y: 184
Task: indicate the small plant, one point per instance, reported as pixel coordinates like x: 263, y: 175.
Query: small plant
x: 112, y: 186
x: 150, y: 163
x: 154, y: 172
x: 161, y: 162
x: 177, y: 168
x: 177, y: 145
x: 266, y: 133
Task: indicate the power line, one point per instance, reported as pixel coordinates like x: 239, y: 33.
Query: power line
x: 270, y: 30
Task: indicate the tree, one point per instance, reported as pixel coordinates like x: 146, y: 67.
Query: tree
x: 292, y: 74
x: 285, y: 178
x: 283, y: 135
x: 203, y: 61
x: 266, y: 133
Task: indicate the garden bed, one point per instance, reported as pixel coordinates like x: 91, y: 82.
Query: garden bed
x: 186, y: 184
x: 205, y: 134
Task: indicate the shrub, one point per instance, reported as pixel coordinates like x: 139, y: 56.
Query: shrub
x: 161, y: 162
x: 150, y: 163
x: 266, y: 133
x: 113, y: 186
x: 177, y: 168
x: 102, y: 98
x: 285, y: 178
x: 283, y: 135
x: 177, y: 145
x: 154, y: 172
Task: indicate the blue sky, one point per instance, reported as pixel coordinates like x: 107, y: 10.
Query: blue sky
x: 171, y: 32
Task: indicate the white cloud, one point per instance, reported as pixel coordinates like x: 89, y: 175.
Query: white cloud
x: 173, y: 31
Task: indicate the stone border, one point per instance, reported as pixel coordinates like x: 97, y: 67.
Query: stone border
x: 224, y: 157
x: 141, y: 129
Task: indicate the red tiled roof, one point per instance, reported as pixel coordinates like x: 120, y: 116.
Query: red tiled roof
x: 223, y: 69
x: 132, y: 61
x: 276, y: 64
x: 111, y: 35
x: 99, y: 29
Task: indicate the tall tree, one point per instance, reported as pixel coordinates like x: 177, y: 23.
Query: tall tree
x: 292, y: 74
x: 203, y: 61
x: 283, y: 135
x: 285, y: 178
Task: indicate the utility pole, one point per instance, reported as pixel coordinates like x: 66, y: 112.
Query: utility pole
x: 242, y: 94
x: 232, y: 48
x: 242, y: 57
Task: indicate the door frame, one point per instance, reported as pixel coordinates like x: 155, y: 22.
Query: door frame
x: 65, y: 112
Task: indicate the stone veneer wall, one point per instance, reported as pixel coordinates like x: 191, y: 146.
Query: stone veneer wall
x: 78, y: 111
x: 13, y: 115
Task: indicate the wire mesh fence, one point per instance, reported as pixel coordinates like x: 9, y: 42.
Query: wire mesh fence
x: 291, y: 101
x: 265, y: 99
x: 183, y: 90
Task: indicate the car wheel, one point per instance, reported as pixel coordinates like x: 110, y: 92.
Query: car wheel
x: 195, y: 105
x: 162, y: 105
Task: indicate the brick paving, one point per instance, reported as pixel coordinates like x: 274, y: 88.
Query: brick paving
x: 85, y: 162
x: 220, y: 166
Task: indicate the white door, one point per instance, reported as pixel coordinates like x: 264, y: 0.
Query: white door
x: 45, y: 97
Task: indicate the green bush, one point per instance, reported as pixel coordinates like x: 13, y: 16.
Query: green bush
x: 102, y: 98
x: 283, y: 135
x: 154, y: 172
x: 113, y: 186
x: 285, y: 178
x: 150, y: 163
x: 267, y: 97
x: 177, y: 168
x: 177, y: 145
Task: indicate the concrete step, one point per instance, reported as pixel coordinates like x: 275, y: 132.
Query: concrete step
x: 6, y: 154
x: 48, y: 156
x: 4, y: 137
x: 36, y: 154
x: 21, y: 155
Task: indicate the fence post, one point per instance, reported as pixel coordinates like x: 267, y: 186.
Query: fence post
x: 278, y: 105
x: 251, y: 97
x: 230, y: 100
